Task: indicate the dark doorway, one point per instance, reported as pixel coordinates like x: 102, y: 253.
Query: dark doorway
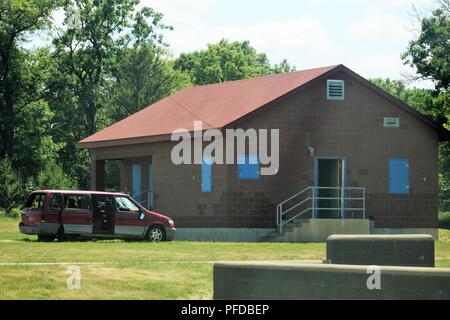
x: 330, y: 183
x: 112, y: 175
x: 103, y: 214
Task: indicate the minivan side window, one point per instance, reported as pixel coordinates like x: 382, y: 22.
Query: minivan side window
x: 74, y: 201
x: 126, y: 205
x: 36, y: 201
x: 56, y: 202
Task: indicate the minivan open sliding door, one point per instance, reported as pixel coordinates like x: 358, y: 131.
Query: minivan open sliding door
x: 103, y: 214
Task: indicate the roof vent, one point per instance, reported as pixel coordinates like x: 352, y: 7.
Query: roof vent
x: 391, y: 122
x: 335, y: 89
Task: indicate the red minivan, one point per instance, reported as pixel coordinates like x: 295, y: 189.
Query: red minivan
x: 58, y: 214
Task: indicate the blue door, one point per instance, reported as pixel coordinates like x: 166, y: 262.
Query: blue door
x: 399, y: 176
x: 207, y: 174
x: 150, y: 186
x: 136, y: 175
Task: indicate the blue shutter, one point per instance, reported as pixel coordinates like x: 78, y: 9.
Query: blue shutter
x: 136, y: 182
x: 207, y: 174
x: 248, y: 167
x: 150, y: 186
x: 399, y: 176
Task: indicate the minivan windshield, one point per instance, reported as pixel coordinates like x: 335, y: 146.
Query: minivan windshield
x: 36, y: 201
x: 125, y: 204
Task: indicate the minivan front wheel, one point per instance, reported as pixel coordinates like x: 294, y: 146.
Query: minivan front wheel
x: 61, y: 236
x: 156, y: 234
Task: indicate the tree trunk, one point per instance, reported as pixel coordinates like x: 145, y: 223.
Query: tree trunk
x: 9, y: 125
x: 90, y: 112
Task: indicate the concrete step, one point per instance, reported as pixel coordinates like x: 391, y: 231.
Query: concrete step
x: 275, y: 236
x: 279, y: 239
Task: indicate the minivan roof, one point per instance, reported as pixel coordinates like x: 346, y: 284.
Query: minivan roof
x: 81, y: 192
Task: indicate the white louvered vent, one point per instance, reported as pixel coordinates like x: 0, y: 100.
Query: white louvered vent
x: 335, y: 90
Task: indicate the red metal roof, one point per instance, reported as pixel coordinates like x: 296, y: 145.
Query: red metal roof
x: 216, y: 105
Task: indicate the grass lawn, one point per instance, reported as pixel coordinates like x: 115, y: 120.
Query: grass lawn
x: 134, y: 270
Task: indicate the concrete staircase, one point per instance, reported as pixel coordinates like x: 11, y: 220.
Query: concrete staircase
x: 317, y: 230
x: 288, y: 234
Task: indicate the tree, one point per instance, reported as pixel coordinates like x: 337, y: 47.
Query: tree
x: 283, y: 67
x: 227, y: 61
x: 18, y: 18
x: 35, y: 146
x: 34, y: 140
x: 87, y: 50
x: 430, y: 52
x: 10, y: 189
x: 144, y: 75
x: 52, y: 176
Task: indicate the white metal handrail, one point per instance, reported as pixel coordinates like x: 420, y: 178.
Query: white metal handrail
x: 311, y: 194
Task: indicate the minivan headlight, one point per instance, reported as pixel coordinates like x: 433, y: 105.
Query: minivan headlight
x: 171, y: 223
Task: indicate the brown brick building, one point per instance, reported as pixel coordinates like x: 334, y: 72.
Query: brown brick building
x: 362, y: 154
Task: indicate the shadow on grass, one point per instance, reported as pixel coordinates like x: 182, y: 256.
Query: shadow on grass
x: 83, y: 240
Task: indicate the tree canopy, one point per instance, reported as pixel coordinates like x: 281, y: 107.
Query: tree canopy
x: 429, y: 53
x: 226, y: 61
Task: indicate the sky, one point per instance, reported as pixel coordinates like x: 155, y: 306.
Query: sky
x: 365, y: 35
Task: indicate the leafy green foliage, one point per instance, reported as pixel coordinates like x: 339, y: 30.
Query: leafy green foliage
x: 10, y: 189
x: 52, y: 176
x: 34, y: 143
x: 18, y: 19
x: 88, y: 53
x: 112, y: 175
x: 226, y: 61
x: 430, y: 52
x: 143, y: 76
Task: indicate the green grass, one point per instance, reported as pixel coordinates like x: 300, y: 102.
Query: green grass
x: 127, y: 270
x: 135, y: 270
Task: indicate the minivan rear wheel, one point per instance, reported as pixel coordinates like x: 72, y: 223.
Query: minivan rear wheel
x: 156, y: 234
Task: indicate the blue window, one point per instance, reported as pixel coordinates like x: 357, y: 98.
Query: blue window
x: 399, y: 176
x: 248, y: 167
x: 207, y: 174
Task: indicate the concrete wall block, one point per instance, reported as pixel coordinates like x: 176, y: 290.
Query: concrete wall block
x: 303, y: 281
x: 392, y: 250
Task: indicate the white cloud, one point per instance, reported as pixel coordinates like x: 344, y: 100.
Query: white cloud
x: 383, y: 27
x: 180, y: 11
x: 388, y: 65
x: 380, y: 65
x: 282, y: 38
x: 380, y: 3
x: 279, y: 39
